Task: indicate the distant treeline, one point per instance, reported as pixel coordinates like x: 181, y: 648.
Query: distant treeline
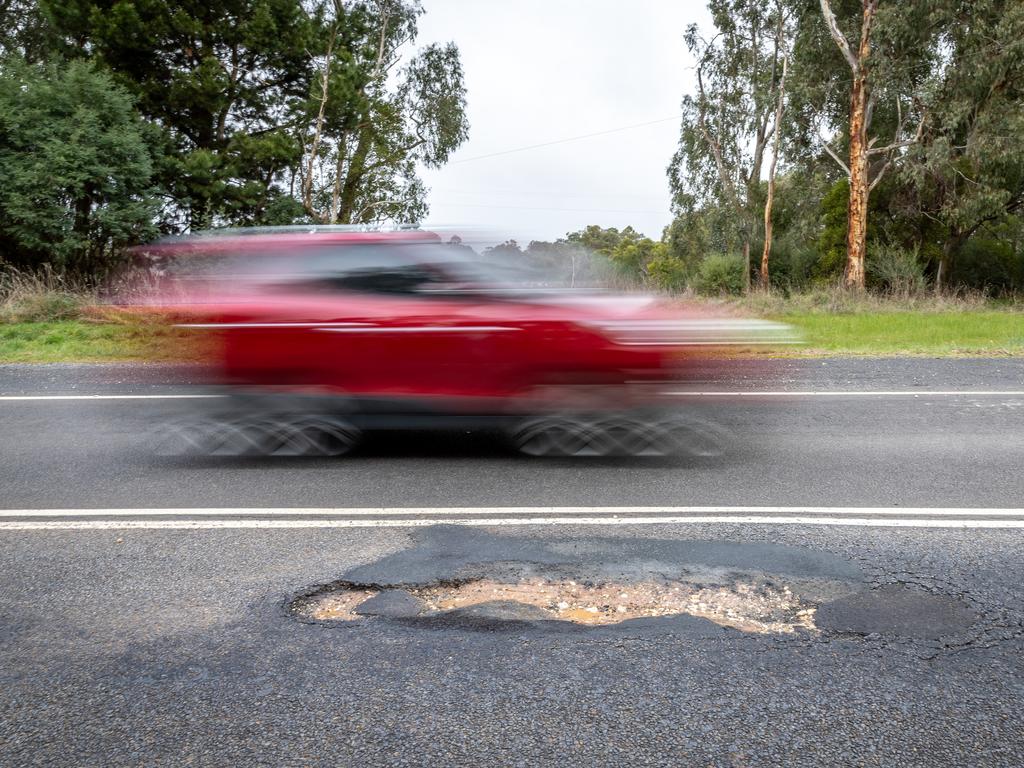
x: 875, y: 142
x: 879, y: 142
x: 124, y: 119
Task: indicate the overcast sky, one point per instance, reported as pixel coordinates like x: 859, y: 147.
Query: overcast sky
x: 544, y: 70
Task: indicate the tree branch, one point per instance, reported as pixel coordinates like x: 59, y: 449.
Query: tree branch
x: 716, y: 148
x: 378, y: 67
x: 838, y: 37
x: 834, y: 156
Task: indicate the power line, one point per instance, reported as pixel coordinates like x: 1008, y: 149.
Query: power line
x: 554, y: 208
x: 564, y: 141
x: 492, y: 192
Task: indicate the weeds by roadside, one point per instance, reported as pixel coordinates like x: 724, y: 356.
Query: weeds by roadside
x: 835, y: 300
x: 42, y: 296
x: 47, y: 317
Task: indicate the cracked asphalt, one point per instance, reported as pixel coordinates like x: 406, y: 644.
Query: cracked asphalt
x: 177, y: 647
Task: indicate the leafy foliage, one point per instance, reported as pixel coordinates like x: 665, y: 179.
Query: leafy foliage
x: 897, y: 270
x: 945, y: 166
x: 218, y: 77
x: 667, y: 272
x: 368, y: 121
x: 720, y: 274
x: 167, y: 115
x: 76, y: 165
x: 726, y: 124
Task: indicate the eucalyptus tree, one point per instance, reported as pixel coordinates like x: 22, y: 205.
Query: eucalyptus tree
x: 728, y: 123
x: 862, y: 66
x: 968, y: 170
x: 376, y: 109
x: 780, y: 104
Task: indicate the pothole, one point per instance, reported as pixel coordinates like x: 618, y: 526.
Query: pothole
x: 750, y: 607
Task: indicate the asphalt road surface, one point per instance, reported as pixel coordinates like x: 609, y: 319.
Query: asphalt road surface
x: 147, y: 612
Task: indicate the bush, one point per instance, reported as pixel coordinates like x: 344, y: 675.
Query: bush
x: 720, y: 274
x: 41, y: 297
x: 667, y: 273
x: 76, y: 167
x: 832, y: 238
x: 990, y: 264
x: 896, y: 270
x: 790, y: 264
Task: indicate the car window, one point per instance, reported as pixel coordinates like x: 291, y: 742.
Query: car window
x: 386, y: 268
x: 374, y: 268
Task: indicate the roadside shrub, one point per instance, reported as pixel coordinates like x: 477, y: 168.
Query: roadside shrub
x: 41, y: 296
x: 991, y: 264
x: 896, y: 270
x: 831, y: 251
x: 667, y: 273
x: 720, y: 274
x: 790, y: 264
x: 76, y: 164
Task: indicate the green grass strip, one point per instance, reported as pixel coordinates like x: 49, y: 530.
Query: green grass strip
x: 80, y: 342
x: 943, y: 334
x: 909, y: 333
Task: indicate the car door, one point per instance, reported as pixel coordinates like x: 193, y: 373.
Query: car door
x: 397, y: 333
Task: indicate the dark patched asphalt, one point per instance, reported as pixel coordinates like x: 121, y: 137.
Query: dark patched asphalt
x: 177, y: 648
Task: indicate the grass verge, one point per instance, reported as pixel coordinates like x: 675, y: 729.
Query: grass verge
x: 75, y: 341
x: 47, y: 318
x: 941, y: 334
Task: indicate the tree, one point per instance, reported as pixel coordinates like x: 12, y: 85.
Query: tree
x: 508, y: 249
x: 219, y: 77
x: 968, y: 170
x: 562, y: 261
x: 603, y: 241
x: 780, y: 101
x: 369, y: 122
x: 906, y: 32
x: 24, y: 31
x: 76, y: 167
x: 727, y: 124
x: 634, y: 257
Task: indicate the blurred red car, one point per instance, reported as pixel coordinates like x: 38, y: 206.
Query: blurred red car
x: 337, y: 332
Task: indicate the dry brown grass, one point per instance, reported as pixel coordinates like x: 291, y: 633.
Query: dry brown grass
x: 836, y: 300
x: 42, y: 296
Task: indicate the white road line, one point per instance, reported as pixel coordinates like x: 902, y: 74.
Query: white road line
x: 105, y: 397
x: 551, y: 512
x: 860, y: 393
x: 681, y: 393
x: 503, y: 522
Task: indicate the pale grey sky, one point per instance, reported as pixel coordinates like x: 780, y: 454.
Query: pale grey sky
x: 543, y: 70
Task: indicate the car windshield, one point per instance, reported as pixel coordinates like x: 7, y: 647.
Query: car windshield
x: 404, y: 266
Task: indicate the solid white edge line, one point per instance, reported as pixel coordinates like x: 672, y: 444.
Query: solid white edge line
x: 551, y: 512
x: 502, y: 522
x: 863, y: 393
x: 108, y: 397
x: 681, y: 393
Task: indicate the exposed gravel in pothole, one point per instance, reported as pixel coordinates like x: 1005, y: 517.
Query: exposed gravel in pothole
x: 750, y: 607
